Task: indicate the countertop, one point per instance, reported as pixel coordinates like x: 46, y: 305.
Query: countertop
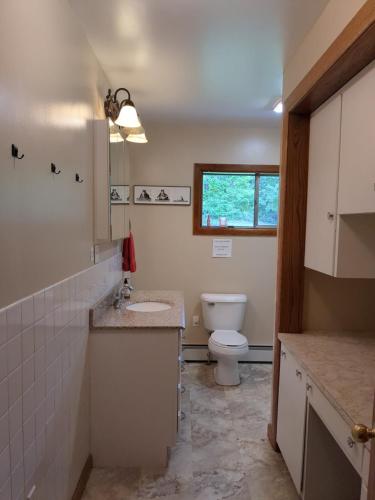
x: 342, y: 365
x: 105, y: 316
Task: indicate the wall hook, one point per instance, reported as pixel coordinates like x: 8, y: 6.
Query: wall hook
x: 15, y: 152
x: 78, y: 179
x: 54, y: 169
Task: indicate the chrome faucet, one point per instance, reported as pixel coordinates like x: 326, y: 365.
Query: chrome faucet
x: 122, y: 294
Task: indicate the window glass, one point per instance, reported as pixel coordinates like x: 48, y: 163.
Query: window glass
x: 268, y: 200
x: 228, y: 199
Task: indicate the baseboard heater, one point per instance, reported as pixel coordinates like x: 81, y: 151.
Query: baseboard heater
x: 256, y: 353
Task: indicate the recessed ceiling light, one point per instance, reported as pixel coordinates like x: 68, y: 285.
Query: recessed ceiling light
x: 278, y: 107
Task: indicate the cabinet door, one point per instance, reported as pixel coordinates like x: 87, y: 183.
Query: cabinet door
x: 291, y: 415
x: 324, y: 160
x: 357, y: 163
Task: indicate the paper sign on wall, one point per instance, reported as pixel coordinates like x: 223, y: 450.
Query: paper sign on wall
x: 221, y: 248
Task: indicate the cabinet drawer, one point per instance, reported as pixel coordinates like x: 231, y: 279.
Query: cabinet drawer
x: 336, y: 425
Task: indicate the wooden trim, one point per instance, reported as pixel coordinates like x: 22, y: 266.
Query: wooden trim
x: 371, y: 479
x: 351, y: 52
x: 83, y: 479
x: 233, y: 231
x: 199, y: 168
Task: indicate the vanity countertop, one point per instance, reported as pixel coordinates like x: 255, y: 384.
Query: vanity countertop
x: 342, y: 365
x: 105, y: 316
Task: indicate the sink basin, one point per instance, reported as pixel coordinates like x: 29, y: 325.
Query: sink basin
x: 148, y: 306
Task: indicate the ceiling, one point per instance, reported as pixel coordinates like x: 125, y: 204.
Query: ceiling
x: 198, y: 59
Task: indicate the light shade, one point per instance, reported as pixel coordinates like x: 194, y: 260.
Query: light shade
x: 140, y: 138
x: 116, y: 137
x: 278, y: 108
x: 128, y: 117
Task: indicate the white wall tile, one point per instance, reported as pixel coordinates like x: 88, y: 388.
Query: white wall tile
x: 4, y: 466
x: 15, y: 385
x: 4, y: 399
x: 28, y: 373
x: 28, y: 432
x: 14, y: 353
x: 43, y: 346
x: 27, y: 312
x: 40, y: 362
x: 3, y: 362
x: 3, y: 327
x: 28, y: 403
x: 15, y: 418
x: 14, y: 320
x: 40, y: 333
x: 39, y: 305
x: 4, y: 431
x: 16, y: 450
x: 27, y: 342
x: 18, y: 479
x: 6, y: 491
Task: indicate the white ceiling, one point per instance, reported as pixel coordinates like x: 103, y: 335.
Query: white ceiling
x: 198, y: 59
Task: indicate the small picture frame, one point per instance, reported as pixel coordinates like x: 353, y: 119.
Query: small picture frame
x: 120, y: 194
x: 162, y: 195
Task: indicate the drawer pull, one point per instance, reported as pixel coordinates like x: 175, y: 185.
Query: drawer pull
x: 308, y: 387
x: 182, y: 415
x: 299, y: 373
x: 350, y: 442
x: 183, y: 389
x: 283, y: 354
x: 362, y: 434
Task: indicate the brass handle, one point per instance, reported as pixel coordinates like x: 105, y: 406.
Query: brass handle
x: 299, y: 373
x: 362, y: 434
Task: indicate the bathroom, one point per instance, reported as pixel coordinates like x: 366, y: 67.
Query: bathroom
x: 152, y: 344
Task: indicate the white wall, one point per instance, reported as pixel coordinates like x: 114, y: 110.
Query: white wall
x: 51, y: 89
x: 329, y: 25
x: 169, y: 256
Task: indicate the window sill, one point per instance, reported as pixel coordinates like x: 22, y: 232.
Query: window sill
x: 234, y: 231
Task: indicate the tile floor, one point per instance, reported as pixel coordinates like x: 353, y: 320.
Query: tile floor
x: 222, y: 452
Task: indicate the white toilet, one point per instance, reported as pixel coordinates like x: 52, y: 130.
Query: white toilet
x: 223, y: 316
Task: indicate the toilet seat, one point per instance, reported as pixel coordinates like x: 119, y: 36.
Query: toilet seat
x: 229, y: 339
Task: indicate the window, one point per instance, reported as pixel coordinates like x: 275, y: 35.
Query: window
x: 236, y: 199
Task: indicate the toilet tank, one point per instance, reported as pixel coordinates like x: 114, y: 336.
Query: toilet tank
x: 223, y: 311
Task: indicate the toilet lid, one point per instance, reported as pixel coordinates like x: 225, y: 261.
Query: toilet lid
x: 229, y: 338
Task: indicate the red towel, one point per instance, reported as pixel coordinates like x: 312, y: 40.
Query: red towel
x: 128, y: 254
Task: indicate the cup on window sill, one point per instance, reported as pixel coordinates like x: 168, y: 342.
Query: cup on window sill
x: 223, y: 222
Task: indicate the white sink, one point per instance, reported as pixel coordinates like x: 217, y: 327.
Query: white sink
x: 148, y: 306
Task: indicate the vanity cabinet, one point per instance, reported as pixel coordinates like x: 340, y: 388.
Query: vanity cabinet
x: 340, y: 231
x: 111, y: 171
x: 315, y: 441
x: 135, y: 392
x: 291, y: 415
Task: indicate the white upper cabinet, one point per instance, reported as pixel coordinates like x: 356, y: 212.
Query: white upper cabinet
x: 324, y: 160
x: 357, y: 162
x: 340, y: 221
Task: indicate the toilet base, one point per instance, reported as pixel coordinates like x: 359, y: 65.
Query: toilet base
x: 227, y: 372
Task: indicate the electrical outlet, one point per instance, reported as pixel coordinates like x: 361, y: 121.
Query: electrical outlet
x: 195, y: 320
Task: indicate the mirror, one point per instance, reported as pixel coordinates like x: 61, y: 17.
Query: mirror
x: 111, y: 183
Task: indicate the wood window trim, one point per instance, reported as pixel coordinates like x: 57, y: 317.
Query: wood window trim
x: 199, y: 168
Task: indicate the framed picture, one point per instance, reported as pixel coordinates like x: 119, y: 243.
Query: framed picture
x: 120, y: 194
x: 162, y: 195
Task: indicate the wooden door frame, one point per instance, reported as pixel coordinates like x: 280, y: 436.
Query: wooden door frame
x: 352, y: 51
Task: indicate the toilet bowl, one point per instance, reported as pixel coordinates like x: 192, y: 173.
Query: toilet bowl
x: 223, y: 316
x: 228, y: 347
